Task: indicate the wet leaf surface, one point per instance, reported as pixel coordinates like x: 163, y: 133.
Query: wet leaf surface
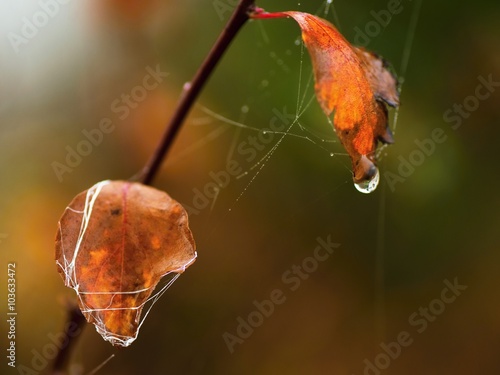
x: 353, y: 85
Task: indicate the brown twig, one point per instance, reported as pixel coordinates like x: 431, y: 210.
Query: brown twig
x: 191, y: 91
x: 76, y: 320
x: 75, y: 323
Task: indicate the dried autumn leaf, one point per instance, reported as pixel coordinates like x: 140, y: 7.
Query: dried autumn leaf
x: 115, y: 242
x: 355, y: 85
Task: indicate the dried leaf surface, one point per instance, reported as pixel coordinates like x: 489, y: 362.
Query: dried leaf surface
x: 115, y: 242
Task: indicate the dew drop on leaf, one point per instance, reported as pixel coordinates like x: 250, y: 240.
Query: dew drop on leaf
x: 368, y: 186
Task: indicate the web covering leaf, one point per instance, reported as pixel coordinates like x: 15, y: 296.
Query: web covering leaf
x: 115, y: 242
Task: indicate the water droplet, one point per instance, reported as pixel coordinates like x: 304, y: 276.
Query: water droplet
x: 331, y: 154
x: 368, y: 186
x: 244, y: 109
x: 297, y: 42
x: 264, y: 132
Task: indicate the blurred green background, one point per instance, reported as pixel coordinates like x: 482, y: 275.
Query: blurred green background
x: 397, y: 246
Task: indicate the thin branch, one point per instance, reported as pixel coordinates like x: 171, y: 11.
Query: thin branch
x: 72, y: 331
x: 76, y: 321
x: 192, y: 89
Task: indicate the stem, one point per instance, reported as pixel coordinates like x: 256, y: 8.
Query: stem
x: 191, y: 90
x: 72, y: 331
x: 261, y: 14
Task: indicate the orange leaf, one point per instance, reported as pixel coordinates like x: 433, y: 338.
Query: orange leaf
x: 355, y: 85
x: 115, y: 242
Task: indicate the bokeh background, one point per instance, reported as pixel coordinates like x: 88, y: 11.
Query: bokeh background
x: 397, y: 245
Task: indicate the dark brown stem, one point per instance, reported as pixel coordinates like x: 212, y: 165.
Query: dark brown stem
x: 68, y: 338
x: 191, y: 91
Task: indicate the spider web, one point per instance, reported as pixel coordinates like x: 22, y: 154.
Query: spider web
x: 297, y: 130
x: 300, y: 128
